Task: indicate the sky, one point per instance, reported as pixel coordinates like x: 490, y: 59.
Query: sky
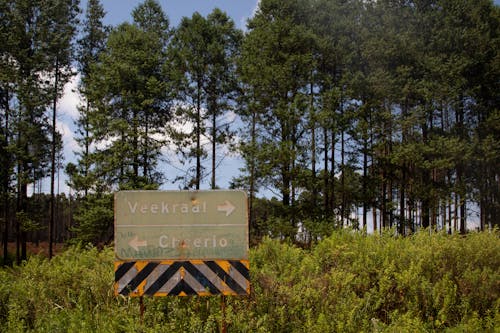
x: 119, y: 11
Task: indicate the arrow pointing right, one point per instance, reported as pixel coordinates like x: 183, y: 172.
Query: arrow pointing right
x: 227, y: 207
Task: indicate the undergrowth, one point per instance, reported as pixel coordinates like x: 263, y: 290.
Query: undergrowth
x: 348, y: 282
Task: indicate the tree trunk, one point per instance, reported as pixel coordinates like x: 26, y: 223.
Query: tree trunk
x: 6, y: 184
x: 326, y: 199
x: 402, y: 220
x: 214, y: 143
x: 198, y: 138
x: 365, y: 182
x: 53, y: 162
x: 313, y: 146
x: 252, y: 172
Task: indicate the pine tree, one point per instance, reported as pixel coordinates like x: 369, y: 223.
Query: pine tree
x: 276, y: 64
x: 30, y: 49
x: 203, y: 52
x: 90, y: 45
x: 131, y: 106
x: 60, y: 32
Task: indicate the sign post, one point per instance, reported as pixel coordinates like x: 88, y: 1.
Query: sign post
x: 181, y: 243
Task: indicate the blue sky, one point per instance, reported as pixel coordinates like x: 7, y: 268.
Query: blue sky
x: 119, y: 11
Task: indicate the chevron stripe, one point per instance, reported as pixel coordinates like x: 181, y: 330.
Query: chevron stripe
x: 182, y: 278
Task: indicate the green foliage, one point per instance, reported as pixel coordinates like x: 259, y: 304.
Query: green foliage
x: 348, y: 282
x: 94, y: 219
x: 130, y: 103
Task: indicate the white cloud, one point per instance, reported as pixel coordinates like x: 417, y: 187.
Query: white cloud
x: 69, y: 102
x: 69, y: 143
x: 244, y: 19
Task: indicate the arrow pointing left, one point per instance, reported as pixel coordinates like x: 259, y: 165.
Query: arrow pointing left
x: 135, y: 243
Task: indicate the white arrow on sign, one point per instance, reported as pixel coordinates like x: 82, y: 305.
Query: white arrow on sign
x: 135, y: 243
x: 226, y: 207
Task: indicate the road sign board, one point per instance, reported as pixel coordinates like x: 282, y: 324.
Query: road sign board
x: 182, y: 278
x: 181, y: 225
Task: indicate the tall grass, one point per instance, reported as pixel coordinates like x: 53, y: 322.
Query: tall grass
x: 348, y: 282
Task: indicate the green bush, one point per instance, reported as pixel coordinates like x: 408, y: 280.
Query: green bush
x: 348, y: 282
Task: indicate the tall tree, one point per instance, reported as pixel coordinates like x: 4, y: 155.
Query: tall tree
x: 131, y: 107
x: 276, y: 64
x: 29, y: 48
x: 89, y: 46
x: 7, y: 77
x: 222, y: 87
x: 60, y: 32
x: 190, y: 60
x: 204, y: 52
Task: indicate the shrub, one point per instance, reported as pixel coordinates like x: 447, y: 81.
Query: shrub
x: 348, y: 282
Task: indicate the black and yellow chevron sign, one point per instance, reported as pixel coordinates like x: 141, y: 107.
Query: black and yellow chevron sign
x: 182, y: 278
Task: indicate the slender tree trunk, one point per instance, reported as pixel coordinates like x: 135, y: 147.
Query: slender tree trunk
x: 449, y: 216
x: 21, y: 210
x: 332, y: 173
x: 383, y: 202
x: 198, y: 137
x: 459, y: 114
x: 313, y: 145
x: 372, y: 172
x: 326, y: 199
x: 342, y: 170
x: 214, y: 143
x: 53, y: 161
x: 6, y: 184
x: 135, y: 145
x: 146, y: 147
x: 402, y: 220
x: 18, y: 209
x: 365, y: 182
x: 252, y: 171
x: 86, y: 165
x: 463, y: 215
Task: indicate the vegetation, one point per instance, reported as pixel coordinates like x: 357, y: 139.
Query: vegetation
x: 348, y: 282
x: 372, y: 114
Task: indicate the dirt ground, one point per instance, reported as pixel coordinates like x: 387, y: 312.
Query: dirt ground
x: 32, y: 248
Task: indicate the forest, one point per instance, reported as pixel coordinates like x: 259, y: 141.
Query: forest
x: 374, y: 114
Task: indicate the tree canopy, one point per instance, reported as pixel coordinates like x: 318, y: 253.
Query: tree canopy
x: 367, y: 114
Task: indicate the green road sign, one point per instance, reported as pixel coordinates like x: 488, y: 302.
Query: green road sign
x: 180, y: 225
